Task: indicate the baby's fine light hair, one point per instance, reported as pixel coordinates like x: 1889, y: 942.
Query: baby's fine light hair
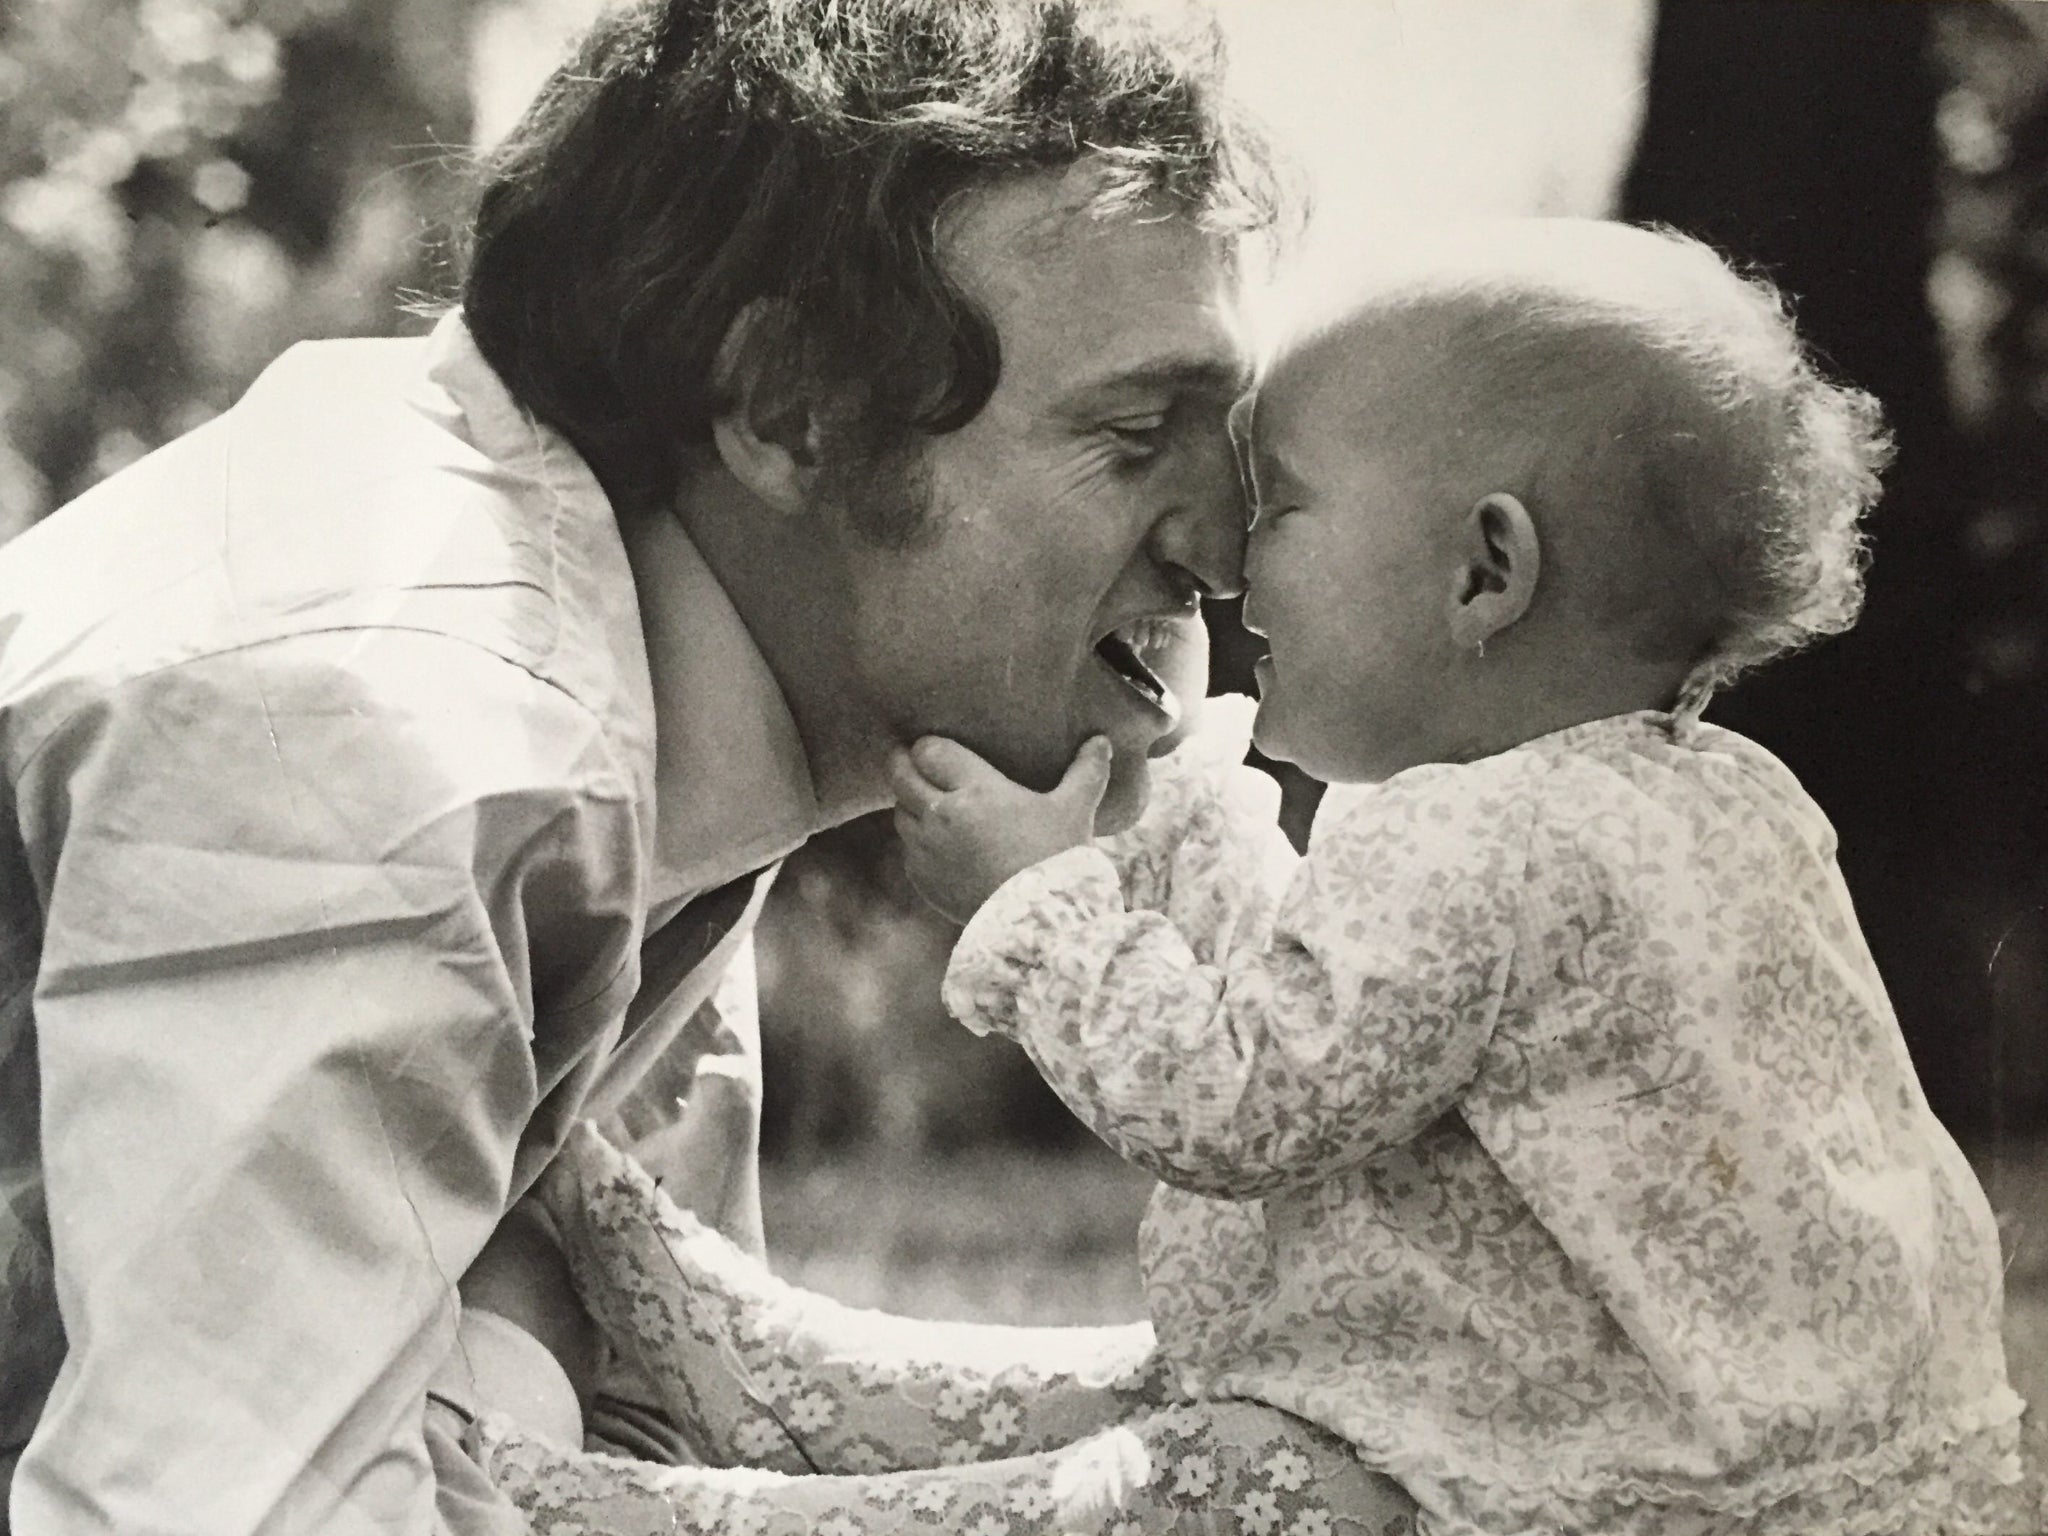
x: 1639, y: 356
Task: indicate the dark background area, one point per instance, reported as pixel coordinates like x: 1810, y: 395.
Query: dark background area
x: 1808, y: 138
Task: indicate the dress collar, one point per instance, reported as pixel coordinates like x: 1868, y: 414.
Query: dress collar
x: 732, y: 787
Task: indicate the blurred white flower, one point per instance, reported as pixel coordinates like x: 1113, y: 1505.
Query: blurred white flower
x: 182, y: 31
x: 157, y: 116
x: 251, y: 56
x: 63, y: 214
x: 102, y: 158
x: 116, y: 450
x: 24, y: 493
x: 221, y: 186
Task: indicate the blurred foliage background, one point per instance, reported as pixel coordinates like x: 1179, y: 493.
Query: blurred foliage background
x: 188, y: 186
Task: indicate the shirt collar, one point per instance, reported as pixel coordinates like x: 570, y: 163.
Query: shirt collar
x: 732, y: 785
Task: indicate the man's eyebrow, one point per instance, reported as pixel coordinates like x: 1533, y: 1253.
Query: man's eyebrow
x: 1187, y: 375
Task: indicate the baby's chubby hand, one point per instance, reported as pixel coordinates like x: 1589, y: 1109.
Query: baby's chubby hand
x: 966, y: 828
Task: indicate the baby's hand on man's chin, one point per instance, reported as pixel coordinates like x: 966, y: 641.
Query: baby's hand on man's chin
x: 966, y: 828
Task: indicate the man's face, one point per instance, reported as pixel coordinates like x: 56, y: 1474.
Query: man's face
x: 1075, y: 521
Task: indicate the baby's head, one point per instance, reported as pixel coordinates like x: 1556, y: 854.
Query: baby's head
x: 1534, y: 473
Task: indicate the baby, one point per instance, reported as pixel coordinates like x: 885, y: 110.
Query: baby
x: 1540, y: 1153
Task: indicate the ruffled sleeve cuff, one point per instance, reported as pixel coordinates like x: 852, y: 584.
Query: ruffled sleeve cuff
x: 1017, y: 935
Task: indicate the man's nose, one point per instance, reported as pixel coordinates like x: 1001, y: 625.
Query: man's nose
x: 1202, y: 531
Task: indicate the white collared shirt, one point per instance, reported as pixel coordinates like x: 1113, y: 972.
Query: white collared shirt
x: 329, y: 741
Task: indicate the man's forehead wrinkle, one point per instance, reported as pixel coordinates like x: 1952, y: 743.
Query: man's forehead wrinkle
x: 1220, y: 374
x: 1074, y: 211
x: 995, y: 239
x: 1046, y: 233
x: 1018, y: 225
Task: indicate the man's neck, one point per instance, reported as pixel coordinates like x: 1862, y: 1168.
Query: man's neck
x: 789, y: 588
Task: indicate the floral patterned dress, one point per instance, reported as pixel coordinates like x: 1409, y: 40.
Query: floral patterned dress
x: 1546, y: 1134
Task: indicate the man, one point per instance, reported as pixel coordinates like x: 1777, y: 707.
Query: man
x: 393, y: 762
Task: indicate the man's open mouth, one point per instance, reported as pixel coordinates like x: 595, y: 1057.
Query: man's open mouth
x: 1130, y: 648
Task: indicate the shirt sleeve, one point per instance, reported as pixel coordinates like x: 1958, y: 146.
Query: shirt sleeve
x: 1350, y: 1025
x: 303, y: 904
x: 1208, y: 852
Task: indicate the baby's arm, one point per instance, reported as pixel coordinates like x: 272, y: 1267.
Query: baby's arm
x: 1350, y: 1026
x: 1208, y: 851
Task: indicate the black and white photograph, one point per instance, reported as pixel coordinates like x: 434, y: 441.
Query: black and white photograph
x: 1023, y: 767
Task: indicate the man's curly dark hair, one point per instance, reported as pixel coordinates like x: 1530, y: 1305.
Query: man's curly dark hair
x: 697, y: 155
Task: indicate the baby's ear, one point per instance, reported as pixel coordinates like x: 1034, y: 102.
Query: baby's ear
x: 1500, y: 560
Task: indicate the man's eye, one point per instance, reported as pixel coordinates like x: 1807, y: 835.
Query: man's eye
x: 1139, y: 436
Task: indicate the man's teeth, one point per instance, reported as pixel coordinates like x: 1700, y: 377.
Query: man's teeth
x: 1147, y: 636
x: 1125, y: 649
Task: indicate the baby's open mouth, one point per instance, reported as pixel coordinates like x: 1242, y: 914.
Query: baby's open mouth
x: 1129, y: 648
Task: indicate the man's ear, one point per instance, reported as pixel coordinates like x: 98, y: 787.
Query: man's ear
x: 769, y: 434
x: 1501, y: 559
